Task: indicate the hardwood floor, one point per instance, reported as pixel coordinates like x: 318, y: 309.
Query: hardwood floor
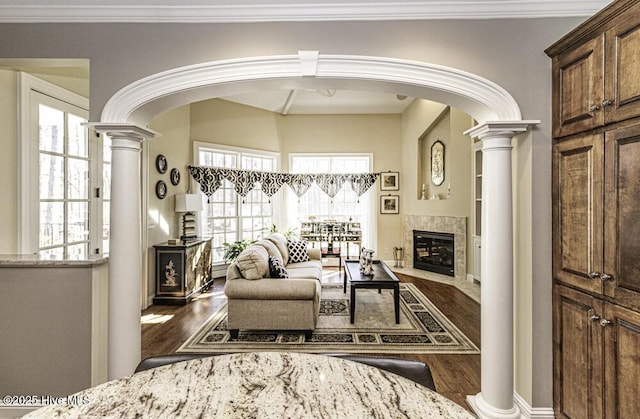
x: 165, y: 328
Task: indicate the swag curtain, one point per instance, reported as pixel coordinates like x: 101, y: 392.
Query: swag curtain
x: 210, y: 179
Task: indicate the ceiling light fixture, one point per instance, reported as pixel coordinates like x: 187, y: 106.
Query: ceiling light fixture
x: 326, y: 92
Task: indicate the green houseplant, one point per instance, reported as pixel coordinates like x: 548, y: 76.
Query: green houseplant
x: 233, y: 249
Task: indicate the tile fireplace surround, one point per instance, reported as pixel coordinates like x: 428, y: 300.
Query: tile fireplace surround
x: 441, y: 224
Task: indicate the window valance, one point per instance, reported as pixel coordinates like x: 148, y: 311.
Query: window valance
x: 210, y: 180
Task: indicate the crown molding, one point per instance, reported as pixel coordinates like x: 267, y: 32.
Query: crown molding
x: 39, y: 11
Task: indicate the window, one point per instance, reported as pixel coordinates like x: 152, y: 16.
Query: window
x: 230, y: 218
x: 64, y: 162
x: 345, y: 205
x: 60, y: 167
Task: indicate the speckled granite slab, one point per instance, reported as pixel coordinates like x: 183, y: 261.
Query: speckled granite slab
x: 260, y: 385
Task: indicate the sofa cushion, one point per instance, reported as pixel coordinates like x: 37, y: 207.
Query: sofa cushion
x: 276, y: 268
x: 271, y: 249
x: 281, y: 243
x: 253, y: 262
x: 307, y: 272
x: 297, y: 251
x: 273, y: 289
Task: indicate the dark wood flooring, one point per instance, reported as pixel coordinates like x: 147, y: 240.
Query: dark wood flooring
x: 165, y: 328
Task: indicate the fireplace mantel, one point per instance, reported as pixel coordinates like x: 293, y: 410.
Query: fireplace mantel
x: 442, y: 224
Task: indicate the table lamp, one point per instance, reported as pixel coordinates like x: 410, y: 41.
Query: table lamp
x: 188, y: 203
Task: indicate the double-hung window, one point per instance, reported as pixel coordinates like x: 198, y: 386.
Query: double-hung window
x: 229, y: 217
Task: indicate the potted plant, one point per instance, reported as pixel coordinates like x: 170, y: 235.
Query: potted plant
x: 233, y: 249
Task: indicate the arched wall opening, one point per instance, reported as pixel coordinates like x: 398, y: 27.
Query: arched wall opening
x: 130, y: 109
x: 140, y: 101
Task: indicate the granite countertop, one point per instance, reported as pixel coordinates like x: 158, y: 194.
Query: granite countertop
x: 36, y: 260
x: 259, y: 385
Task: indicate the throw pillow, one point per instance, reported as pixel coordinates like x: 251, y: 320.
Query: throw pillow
x: 297, y: 251
x: 276, y: 268
x: 253, y: 262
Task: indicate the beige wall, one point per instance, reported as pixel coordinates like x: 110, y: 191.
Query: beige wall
x: 163, y: 222
x: 422, y: 124
x: 222, y: 122
x: 228, y: 123
x: 8, y: 162
x: 379, y: 135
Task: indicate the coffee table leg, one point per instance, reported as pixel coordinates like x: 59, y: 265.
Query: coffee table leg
x: 396, y: 302
x: 344, y: 285
x: 352, y: 306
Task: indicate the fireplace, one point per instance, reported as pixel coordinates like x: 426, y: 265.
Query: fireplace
x: 434, y: 252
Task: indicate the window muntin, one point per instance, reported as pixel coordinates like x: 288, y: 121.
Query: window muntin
x: 64, y: 183
x: 228, y: 217
x: 345, y: 205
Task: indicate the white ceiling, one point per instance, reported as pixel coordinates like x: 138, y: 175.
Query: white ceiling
x: 286, y: 101
x: 310, y: 102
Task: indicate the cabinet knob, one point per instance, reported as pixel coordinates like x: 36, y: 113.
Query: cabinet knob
x: 594, y: 108
x: 594, y: 318
x: 607, y: 102
x: 594, y: 275
x: 605, y: 277
x: 604, y: 322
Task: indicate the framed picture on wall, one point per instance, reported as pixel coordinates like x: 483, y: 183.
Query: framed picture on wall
x: 437, y: 163
x: 390, y: 204
x: 389, y: 181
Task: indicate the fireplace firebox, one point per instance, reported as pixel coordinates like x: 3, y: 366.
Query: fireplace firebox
x: 434, y: 252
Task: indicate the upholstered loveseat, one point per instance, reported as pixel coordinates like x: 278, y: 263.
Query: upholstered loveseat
x: 259, y: 299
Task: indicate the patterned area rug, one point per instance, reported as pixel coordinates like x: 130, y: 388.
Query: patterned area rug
x: 423, y: 329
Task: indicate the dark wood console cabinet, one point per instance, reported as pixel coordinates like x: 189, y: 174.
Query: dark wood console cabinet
x: 182, y: 270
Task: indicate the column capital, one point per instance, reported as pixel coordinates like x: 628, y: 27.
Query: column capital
x: 493, y: 129
x: 123, y: 130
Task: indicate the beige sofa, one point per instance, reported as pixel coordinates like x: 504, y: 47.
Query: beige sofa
x: 258, y: 302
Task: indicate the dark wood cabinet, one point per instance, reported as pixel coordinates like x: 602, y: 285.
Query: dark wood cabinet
x: 578, y: 88
x: 577, y: 212
x: 621, y: 267
x: 596, y: 216
x: 182, y: 270
x: 578, y: 350
x: 596, y: 352
x: 596, y: 81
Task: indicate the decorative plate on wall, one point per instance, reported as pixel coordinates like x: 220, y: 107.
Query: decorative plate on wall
x: 161, y: 163
x: 161, y: 189
x: 175, y: 176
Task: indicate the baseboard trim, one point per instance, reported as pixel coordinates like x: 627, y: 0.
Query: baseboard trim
x: 528, y: 412
x: 13, y: 412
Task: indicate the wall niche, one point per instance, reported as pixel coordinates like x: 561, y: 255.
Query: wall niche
x: 433, y: 157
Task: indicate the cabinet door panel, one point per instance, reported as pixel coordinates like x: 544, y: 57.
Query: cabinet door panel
x: 622, y: 362
x: 577, y: 357
x: 577, y: 86
x: 622, y: 216
x: 622, y: 82
x: 577, y: 213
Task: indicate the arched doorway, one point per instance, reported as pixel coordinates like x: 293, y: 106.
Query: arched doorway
x: 131, y: 108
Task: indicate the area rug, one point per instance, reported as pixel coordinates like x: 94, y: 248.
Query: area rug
x: 423, y: 329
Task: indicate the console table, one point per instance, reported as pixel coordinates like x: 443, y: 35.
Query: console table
x: 330, y: 235
x: 182, y: 270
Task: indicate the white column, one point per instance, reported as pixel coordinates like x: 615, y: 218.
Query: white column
x: 495, y: 399
x: 125, y: 251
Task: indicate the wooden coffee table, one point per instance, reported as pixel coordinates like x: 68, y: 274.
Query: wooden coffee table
x: 382, y: 278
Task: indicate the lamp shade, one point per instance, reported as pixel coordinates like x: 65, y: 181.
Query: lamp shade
x: 188, y: 202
